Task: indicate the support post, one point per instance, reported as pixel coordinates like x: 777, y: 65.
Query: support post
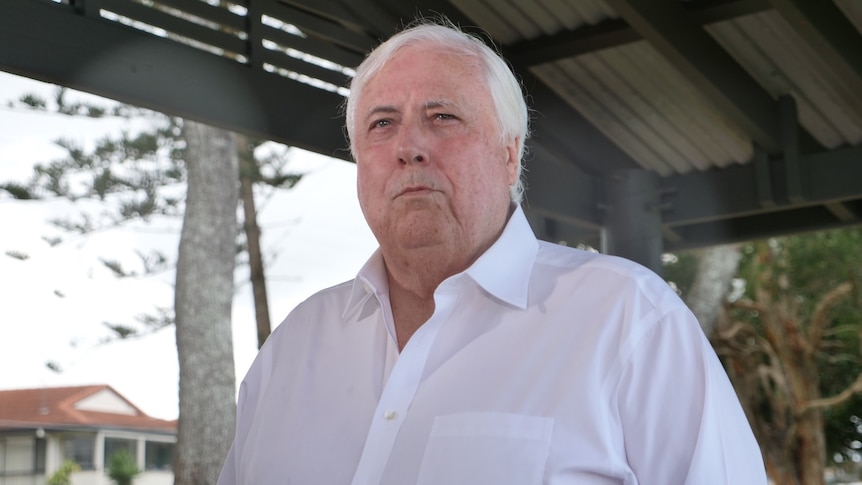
x: 632, y: 222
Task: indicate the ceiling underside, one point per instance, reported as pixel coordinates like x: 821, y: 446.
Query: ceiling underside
x: 749, y: 111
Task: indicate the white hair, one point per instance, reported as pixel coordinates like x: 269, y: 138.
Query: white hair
x: 506, y: 94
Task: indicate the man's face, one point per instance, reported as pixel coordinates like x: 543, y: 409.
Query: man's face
x: 431, y: 166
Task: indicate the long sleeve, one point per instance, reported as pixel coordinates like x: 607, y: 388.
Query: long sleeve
x: 682, y: 419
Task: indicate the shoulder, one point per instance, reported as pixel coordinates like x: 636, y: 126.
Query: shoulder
x: 590, y: 271
x: 322, y: 307
x: 293, y: 338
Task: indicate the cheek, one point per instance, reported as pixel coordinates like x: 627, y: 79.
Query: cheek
x: 369, y: 184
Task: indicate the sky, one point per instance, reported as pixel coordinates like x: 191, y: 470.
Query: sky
x: 54, y: 303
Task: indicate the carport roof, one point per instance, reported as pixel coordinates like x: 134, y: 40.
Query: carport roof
x: 749, y: 111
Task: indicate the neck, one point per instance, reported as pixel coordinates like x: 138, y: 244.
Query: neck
x: 415, y: 273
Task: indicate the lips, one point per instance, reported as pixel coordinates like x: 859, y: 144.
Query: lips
x: 414, y: 189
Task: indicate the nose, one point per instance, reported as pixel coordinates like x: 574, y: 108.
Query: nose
x: 413, y: 144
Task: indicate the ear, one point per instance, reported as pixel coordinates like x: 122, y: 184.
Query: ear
x: 512, y: 161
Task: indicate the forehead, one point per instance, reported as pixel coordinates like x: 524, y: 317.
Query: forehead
x: 427, y: 68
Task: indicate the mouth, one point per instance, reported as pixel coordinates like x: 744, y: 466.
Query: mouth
x: 413, y: 190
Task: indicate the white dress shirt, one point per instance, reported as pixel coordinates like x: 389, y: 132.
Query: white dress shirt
x: 541, y: 364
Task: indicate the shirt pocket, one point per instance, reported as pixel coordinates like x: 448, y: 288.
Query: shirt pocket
x: 486, y: 448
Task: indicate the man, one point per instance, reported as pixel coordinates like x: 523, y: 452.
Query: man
x: 465, y: 351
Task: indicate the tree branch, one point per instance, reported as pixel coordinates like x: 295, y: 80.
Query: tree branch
x: 820, y: 317
x: 826, y: 402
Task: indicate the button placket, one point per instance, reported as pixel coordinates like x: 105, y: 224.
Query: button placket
x: 398, y: 393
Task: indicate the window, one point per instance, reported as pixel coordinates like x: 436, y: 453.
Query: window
x: 113, y: 445
x: 159, y: 455
x: 18, y: 456
x: 80, y: 449
x: 40, y: 457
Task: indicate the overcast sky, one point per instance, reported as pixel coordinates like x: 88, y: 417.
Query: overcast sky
x: 54, y: 302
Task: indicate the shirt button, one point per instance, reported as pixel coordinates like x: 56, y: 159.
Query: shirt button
x: 390, y: 415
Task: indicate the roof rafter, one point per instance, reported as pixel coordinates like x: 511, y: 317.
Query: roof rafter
x: 700, y: 59
x: 833, y: 38
x: 617, y: 32
x: 131, y: 66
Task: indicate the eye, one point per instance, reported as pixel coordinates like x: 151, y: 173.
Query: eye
x: 445, y: 116
x: 381, y: 123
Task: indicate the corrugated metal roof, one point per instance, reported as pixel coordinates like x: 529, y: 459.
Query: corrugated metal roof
x: 510, y: 21
x: 639, y: 100
x: 775, y: 55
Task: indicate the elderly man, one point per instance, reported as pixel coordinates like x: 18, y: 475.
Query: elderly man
x: 465, y: 351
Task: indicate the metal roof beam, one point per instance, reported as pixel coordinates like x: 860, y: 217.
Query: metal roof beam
x: 757, y: 226
x: 833, y: 176
x: 570, y: 43
x: 827, y: 31
x: 701, y: 60
x: 561, y: 191
x: 842, y: 212
x: 328, y: 9
x: 374, y: 15
x: 322, y: 28
x: 108, y: 59
x: 617, y: 32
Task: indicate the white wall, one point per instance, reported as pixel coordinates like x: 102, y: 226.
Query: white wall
x: 100, y: 478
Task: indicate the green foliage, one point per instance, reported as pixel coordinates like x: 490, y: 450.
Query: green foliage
x: 34, y: 101
x: 803, y: 269
x: 63, y: 476
x: 122, y: 468
x: 18, y: 191
x: 121, y: 331
x: 679, y: 270
x: 20, y: 255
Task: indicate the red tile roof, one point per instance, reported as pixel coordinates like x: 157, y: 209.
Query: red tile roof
x: 55, y: 406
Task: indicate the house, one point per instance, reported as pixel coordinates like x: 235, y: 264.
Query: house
x: 42, y: 428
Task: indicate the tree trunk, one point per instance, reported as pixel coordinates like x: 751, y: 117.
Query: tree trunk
x: 810, y: 448
x: 716, y: 268
x: 204, y: 295
x: 247, y: 172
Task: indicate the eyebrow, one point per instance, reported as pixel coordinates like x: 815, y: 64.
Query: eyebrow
x: 381, y: 109
x: 440, y: 103
x: 389, y: 109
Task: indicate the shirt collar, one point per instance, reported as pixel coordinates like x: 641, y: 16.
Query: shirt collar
x: 503, y: 270
x: 371, y: 280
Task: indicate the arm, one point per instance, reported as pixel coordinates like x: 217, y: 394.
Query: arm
x: 681, y: 418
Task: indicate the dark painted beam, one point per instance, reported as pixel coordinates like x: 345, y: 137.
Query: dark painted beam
x: 842, y: 211
x: 758, y: 226
x: 570, y: 43
x: 331, y: 10
x: 51, y: 43
x: 322, y: 28
x: 833, y: 176
x: 382, y: 21
x: 560, y: 191
x: 707, y: 66
x: 617, y: 32
x: 829, y: 33
x: 331, y: 52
